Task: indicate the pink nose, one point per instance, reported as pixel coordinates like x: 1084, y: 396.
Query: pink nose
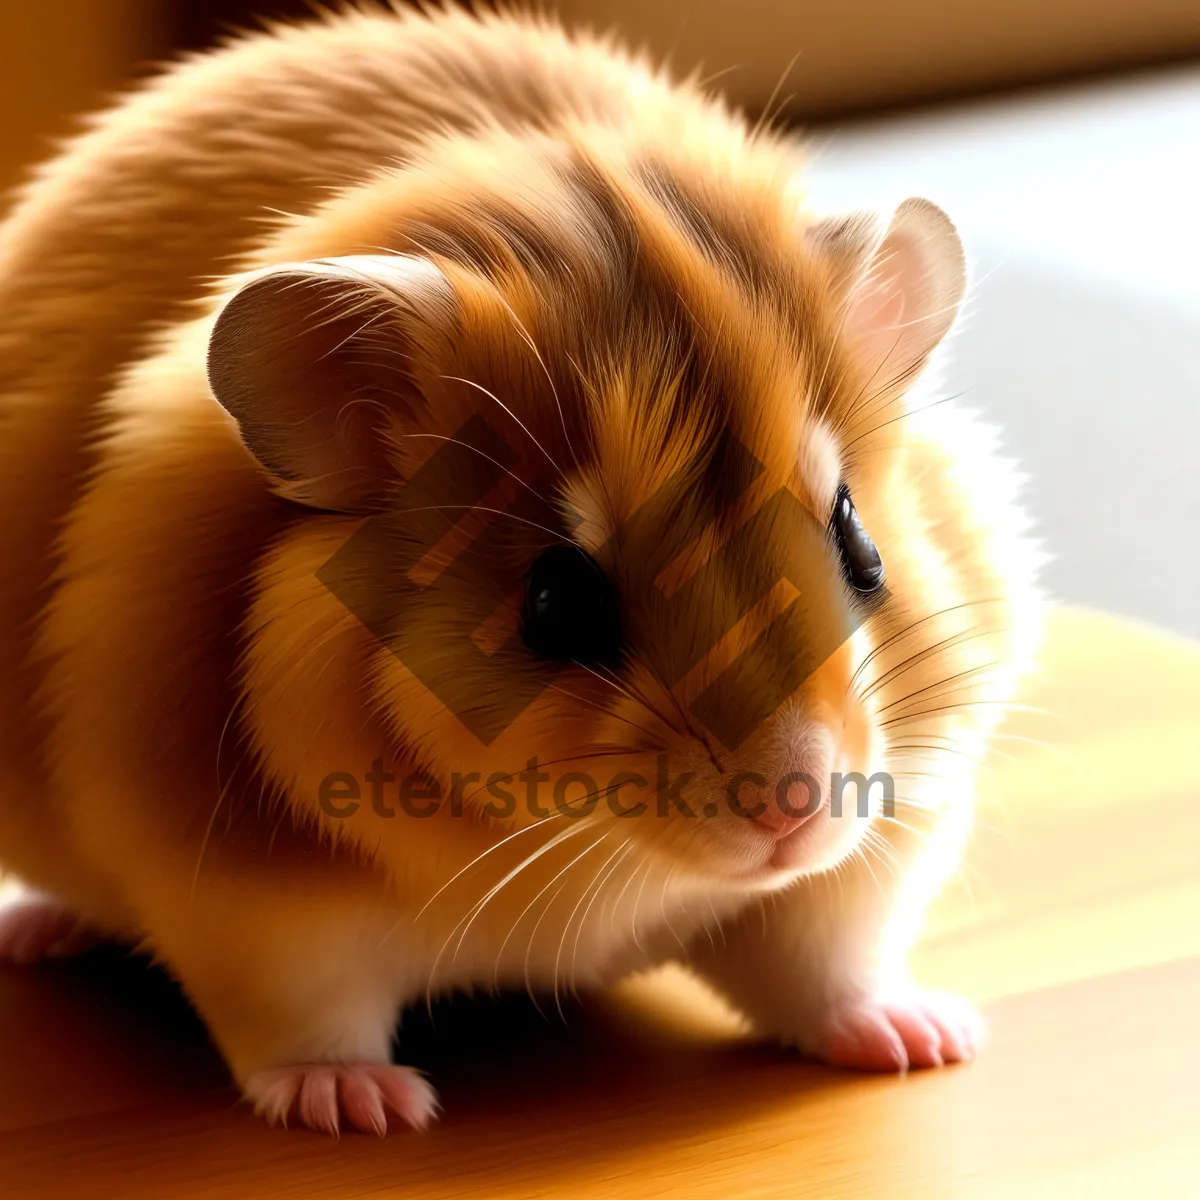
x: 789, y: 811
x: 778, y: 823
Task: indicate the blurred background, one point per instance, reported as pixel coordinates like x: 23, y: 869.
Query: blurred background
x: 1061, y: 135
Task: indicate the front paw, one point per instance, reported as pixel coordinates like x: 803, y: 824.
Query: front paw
x: 914, y: 1029
x: 327, y: 1097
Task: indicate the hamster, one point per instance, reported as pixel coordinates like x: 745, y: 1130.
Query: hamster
x: 468, y: 524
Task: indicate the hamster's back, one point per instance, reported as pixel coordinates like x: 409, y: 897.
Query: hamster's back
x: 119, y: 234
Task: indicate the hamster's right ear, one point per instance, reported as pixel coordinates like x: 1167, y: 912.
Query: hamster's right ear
x: 901, y: 290
x: 318, y: 363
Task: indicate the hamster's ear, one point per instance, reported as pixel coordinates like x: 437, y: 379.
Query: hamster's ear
x: 902, y: 291
x: 318, y: 362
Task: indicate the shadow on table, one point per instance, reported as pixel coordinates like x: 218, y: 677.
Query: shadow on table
x: 529, y: 1095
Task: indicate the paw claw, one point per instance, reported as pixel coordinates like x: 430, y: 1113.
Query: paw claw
x: 924, y: 1029
x: 362, y: 1102
x: 318, y: 1105
x: 321, y: 1095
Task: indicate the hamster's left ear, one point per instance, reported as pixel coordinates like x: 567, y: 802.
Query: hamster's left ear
x: 901, y: 290
x: 318, y: 362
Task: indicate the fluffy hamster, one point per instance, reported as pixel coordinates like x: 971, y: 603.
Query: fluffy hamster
x: 419, y: 431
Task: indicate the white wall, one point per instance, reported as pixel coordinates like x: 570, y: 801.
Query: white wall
x: 1082, y: 210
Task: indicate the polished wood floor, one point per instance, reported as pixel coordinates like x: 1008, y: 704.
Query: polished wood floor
x: 1076, y: 925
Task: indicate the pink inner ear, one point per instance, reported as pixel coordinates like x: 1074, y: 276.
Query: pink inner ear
x: 893, y: 318
x: 880, y: 299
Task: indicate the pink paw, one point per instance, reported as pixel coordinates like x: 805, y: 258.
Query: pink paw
x: 322, y: 1095
x: 924, y: 1029
x: 33, y: 928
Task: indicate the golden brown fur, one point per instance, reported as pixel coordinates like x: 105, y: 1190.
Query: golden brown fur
x: 622, y: 281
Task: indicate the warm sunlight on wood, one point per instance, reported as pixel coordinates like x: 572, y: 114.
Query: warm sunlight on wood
x: 1083, y: 861
x: 1075, y: 923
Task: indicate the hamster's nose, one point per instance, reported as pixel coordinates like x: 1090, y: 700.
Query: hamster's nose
x: 778, y: 823
x: 791, y: 805
x: 796, y: 780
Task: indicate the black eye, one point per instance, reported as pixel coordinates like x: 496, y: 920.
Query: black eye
x: 570, y: 610
x: 860, y: 559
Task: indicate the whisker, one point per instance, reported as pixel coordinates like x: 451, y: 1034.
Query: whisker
x: 541, y: 917
x: 895, y: 637
x: 475, y: 449
x: 637, y: 903
x: 910, y: 412
x: 527, y: 337
x: 602, y: 708
x: 970, y: 672
x: 524, y: 427
x: 582, y: 756
x: 662, y: 905
x: 562, y: 941
x: 915, y: 660
x: 550, y: 883
x: 943, y: 709
x: 616, y: 900
x: 631, y: 693
x: 479, y: 905
x: 556, y: 534
x: 934, y: 748
x: 764, y: 116
x: 479, y: 857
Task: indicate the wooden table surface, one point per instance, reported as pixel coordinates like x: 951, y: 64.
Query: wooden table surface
x: 1076, y: 924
